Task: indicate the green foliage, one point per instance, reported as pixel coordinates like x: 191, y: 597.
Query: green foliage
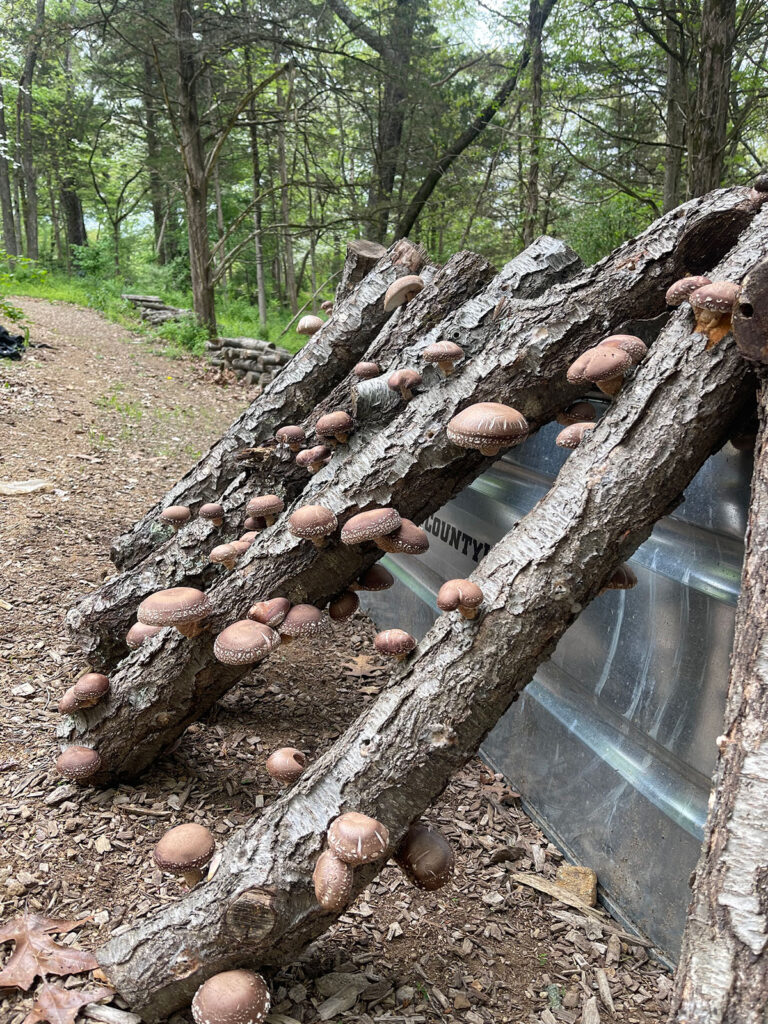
x: 182, y: 336
x: 14, y: 271
x: 94, y: 259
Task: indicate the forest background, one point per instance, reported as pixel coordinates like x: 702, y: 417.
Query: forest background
x: 220, y: 153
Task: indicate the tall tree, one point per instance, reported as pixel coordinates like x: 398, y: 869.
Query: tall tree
x: 24, y: 133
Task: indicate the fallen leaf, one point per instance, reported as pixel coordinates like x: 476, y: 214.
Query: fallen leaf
x: 37, y: 954
x: 363, y: 665
x: 60, y: 1005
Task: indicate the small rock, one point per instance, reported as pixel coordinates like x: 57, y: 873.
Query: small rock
x: 581, y: 881
x: 404, y: 995
x: 103, y: 845
x: 460, y: 1002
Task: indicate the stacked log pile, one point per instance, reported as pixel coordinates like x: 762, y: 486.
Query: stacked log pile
x: 255, y: 361
x: 154, y: 311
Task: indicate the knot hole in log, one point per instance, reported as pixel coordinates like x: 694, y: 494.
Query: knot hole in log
x: 251, y: 916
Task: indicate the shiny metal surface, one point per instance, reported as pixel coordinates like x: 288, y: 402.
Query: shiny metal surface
x: 613, y: 744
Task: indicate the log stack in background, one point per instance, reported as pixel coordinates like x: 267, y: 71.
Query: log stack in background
x: 255, y: 361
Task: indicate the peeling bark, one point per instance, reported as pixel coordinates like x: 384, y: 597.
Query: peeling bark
x: 259, y: 907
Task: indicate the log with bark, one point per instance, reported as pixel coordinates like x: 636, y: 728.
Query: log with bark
x: 259, y: 907
x: 520, y: 358
x: 321, y: 363
x: 722, y: 976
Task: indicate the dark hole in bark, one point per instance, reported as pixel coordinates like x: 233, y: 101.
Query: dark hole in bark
x: 746, y: 309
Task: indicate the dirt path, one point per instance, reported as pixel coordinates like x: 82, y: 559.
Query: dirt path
x: 111, y: 425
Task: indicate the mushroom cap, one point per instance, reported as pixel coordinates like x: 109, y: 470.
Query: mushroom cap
x: 247, y: 538
x: 572, y: 436
x: 443, y: 351
x: 378, y: 577
x: 635, y: 347
x: 343, y: 606
x: 254, y: 523
x: 176, y: 514
x: 223, y: 553
x: 184, y: 848
x: 327, y: 306
x: 291, y: 435
x: 244, y: 643
x: 623, y: 578
x: 404, y: 379
x: 376, y: 522
x: 487, y: 423
x: 138, y: 633
x: 78, y: 763
x: 680, y: 290
x: 87, y: 691
x: 286, y: 764
x: 366, y: 371
x: 232, y: 997
x: 302, y: 620
x: 719, y: 296
x: 265, y: 505
x: 309, y: 324
x: 407, y: 539
x: 312, y: 521
x: 426, y: 857
x: 320, y: 453
x: 173, y: 607
x: 333, y: 881
x: 402, y: 291
x: 270, y: 613
x: 598, y: 364
x: 211, y: 510
x: 578, y: 412
x: 357, y: 839
x: 394, y: 641
x: 69, y: 702
x: 336, y: 422
x: 455, y: 593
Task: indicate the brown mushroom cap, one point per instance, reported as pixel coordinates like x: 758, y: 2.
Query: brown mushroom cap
x: 716, y: 297
x: 267, y: 505
x: 378, y: 577
x: 213, y: 512
x: 366, y: 371
x: 635, y: 347
x: 244, y: 643
x: 312, y: 521
x: 315, y: 458
x: 426, y: 857
x: 327, y: 306
x: 185, y: 848
x: 402, y: 291
x: 337, y: 424
x: 623, y: 578
x: 286, y: 765
x: 78, y: 763
x: 343, y: 606
x: 175, y: 515
x: 369, y: 525
x: 247, y: 538
x: 225, y: 554
x: 303, y: 620
x: 270, y: 613
x: 357, y: 839
x: 232, y: 997
x: 309, y: 324
x: 404, y: 381
x: 680, y: 290
x: 87, y: 692
x: 444, y: 353
x: 488, y: 426
x: 333, y: 881
x: 463, y: 594
x: 394, y: 643
x: 180, y: 607
x: 572, y: 436
x: 138, y: 633
x: 293, y: 436
x: 255, y: 523
x: 407, y: 539
x: 579, y: 412
x: 599, y: 364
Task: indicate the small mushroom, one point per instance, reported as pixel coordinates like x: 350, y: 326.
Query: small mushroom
x: 374, y: 579
x: 232, y: 997
x: 335, y: 426
x: 309, y: 324
x: 184, y: 850
x: 303, y: 620
x: 404, y: 381
x: 603, y: 366
x: 333, y: 881
x: 267, y: 505
x: 327, y: 306
x: 245, y: 643
x: 394, y: 643
x: 270, y: 613
x: 445, y: 353
x: 175, y: 516
x: 183, y: 607
x: 402, y: 291
x: 315, y: 458
x: 426, y: 857
x: 366, y: 370
x: 407, y: 539
x: 212, y: 512
x: 293, y: 436
x: 247, y: 538
x: 313, y: 522
x: 255, y: 524
x: 462, y: 594
x: 78, y: 764
x: 227, y: 554
x: 87, y: 692
x: 680, y: 290
x: 357, y: 839
x: 377, y: 522
x: 286, y: 765
x: 343, y: 606
x: 713, y: 305
x: 572, y: 436
x: 623, y: 578
x: 579, y: 412
x: 489, y: 427
x: 138, y: 633
x: 635, y: 347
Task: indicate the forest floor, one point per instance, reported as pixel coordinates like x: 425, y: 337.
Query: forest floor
x: 111, y: 424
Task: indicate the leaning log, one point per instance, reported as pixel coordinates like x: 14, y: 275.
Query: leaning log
x: 362, y: 256
x: 321, y: 363
x: 722, y: 976
x: 409, y: 464
x: 259, y: 907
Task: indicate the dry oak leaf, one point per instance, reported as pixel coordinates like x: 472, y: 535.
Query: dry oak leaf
x: 37, y: 953
x: 60, y: 1005
x: 363, y: 666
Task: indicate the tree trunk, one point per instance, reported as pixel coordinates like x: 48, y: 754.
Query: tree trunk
x: 259, y: 907
x: 258, y: 249
x: 154, y: 155
x: 283, y: 103
x: 677, y: 105
x: 519, y: 355
x: 722, y: 977
x: 362, y: 257
x: 73, y: 213
x: 6, y: 203
x: 531, y: 218
x: 27, y: 157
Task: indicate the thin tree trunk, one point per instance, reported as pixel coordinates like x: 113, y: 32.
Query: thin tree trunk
x: 73, y: 214
x: 28, y: 166
x: 6, y: 203
x: 220, y: 221
x: 283, y: 103
x: 531, y: 219
x: 154, y: 156
x: 677, y: 105
x: 258, y: 249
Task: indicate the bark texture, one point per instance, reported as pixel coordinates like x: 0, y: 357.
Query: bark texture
x: 362, y: 257
x: 259, y: 907
x: 518, y: 354
x: 326, y: 358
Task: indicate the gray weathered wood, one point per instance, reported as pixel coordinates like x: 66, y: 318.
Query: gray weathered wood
x: 361, y: 257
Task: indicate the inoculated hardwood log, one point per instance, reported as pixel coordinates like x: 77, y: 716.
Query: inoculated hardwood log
x: 259, y: 908
x: 323, y: 361
x: 410, y: 464
x: 362, y: 256
x: 722, y: 976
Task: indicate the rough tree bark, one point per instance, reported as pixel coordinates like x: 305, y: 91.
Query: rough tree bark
x: 522, y: 359
x: 10, y: 243
x: 259, y: 907
x: 361, y: 258
x: 324, y: 360
x: 722, y: 976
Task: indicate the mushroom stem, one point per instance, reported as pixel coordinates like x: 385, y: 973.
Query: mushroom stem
x: 285, y: 639
x: 341, y: 437
x: 218, y: 521
x: 446, y: 367
x: 468, y: 613
x: 191, y: 629
x: 406, y: 393
x: 612, y: 386
x: 192, y: 877
x: 489, y: 449
x: 295, y: 446
x: 270, y: 520
x: 319, y: 542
